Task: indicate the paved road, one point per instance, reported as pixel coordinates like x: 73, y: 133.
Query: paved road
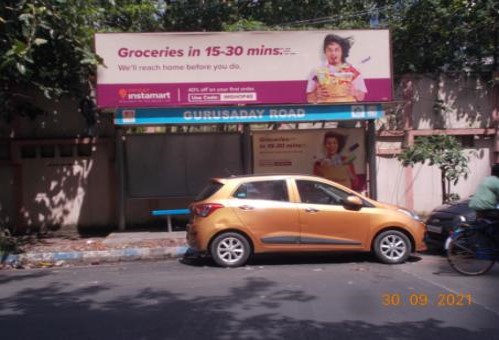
x: 291, y: 297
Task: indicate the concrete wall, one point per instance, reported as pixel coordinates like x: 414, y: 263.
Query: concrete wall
x: 419, y: 187
x: 62, y: 119
x: 62, y: 189
x: 456, y: 105
x: 7, y: 194
x: 60, y: 170
x: 466, y: 103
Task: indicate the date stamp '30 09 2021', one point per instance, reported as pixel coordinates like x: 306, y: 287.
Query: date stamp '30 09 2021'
x: 423, y: 300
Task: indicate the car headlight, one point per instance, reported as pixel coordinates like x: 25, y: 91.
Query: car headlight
x: 410, y: 213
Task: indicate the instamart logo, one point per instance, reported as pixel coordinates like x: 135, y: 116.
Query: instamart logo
x: 143, y: 95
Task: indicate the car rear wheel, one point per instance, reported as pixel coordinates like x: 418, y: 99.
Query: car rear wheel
x: 230, y: 250
x: 392, y: 247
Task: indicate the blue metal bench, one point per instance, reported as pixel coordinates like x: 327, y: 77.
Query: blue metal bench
x: 169, y: 213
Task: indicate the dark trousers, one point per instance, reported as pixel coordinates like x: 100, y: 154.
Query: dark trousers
x: 493, y: 216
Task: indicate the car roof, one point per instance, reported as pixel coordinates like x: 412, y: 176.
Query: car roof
x: 266, y: 176
x: 262, y: 177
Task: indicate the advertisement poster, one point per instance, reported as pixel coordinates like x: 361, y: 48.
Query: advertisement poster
x: 234, y: 68
x: 335, y: 154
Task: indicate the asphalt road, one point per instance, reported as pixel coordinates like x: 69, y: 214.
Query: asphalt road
x: 289, y: 297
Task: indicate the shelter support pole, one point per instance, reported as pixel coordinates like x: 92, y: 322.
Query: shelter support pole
x: 371, y: 159
x: 247, y: 151
x: 120, y: 178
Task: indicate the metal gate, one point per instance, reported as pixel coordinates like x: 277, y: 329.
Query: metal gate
x: 179, y: 165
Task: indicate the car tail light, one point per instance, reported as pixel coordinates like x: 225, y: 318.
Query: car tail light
x: 205, y: 209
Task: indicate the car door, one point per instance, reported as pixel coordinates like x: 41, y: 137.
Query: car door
x: 324, y: 220
x: 266, y: 212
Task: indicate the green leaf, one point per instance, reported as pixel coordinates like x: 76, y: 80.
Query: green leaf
x: 19, y: 47
x: 442, y: 151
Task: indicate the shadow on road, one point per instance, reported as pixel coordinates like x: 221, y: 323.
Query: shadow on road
x: 94, y: 311
x: 24, y: 276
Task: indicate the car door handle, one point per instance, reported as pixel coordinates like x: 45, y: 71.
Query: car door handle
x: 311, y: 210
x: 246, y: 207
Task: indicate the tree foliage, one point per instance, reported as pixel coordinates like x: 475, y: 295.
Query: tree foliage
x: 434, y: 36
x: 46, y: 46
x: 444, y: 152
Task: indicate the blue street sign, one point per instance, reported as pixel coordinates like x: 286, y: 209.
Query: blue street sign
x: 246, y: 114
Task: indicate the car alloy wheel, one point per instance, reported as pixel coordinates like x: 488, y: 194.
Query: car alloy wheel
x: 392, y: 247
x: 230, y: 250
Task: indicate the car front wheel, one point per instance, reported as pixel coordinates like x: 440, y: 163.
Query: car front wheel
x: 230, y: 250
x: 392, y: 247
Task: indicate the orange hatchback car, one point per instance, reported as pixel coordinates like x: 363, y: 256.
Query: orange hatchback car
x: 235, y: 217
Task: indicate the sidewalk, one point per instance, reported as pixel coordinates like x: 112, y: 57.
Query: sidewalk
x: 116, y: 247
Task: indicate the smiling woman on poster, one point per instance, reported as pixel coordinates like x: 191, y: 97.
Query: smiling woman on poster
x: 335, y: 166
x: 336, y: 81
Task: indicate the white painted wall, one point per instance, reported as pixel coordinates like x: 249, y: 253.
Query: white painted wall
x: 397, y: 184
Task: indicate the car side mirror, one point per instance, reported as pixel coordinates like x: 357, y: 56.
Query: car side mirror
x: 352, y: 202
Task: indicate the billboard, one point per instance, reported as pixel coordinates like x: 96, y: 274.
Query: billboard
x: 200, y: 69
x: 337, y: 154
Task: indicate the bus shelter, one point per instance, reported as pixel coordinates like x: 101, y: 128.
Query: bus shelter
x: 248, y: 152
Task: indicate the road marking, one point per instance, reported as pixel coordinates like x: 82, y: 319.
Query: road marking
x: 449, y: 290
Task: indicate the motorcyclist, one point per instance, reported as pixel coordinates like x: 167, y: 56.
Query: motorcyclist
x: 485, y: 201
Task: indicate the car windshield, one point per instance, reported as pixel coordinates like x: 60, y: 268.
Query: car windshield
x: 208, y: 190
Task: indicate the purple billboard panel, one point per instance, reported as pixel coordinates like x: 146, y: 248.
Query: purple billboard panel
x: 198, y: 69
x: 159, y: 95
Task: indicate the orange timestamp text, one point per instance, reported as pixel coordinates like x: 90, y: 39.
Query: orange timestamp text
x: 423, y: 300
